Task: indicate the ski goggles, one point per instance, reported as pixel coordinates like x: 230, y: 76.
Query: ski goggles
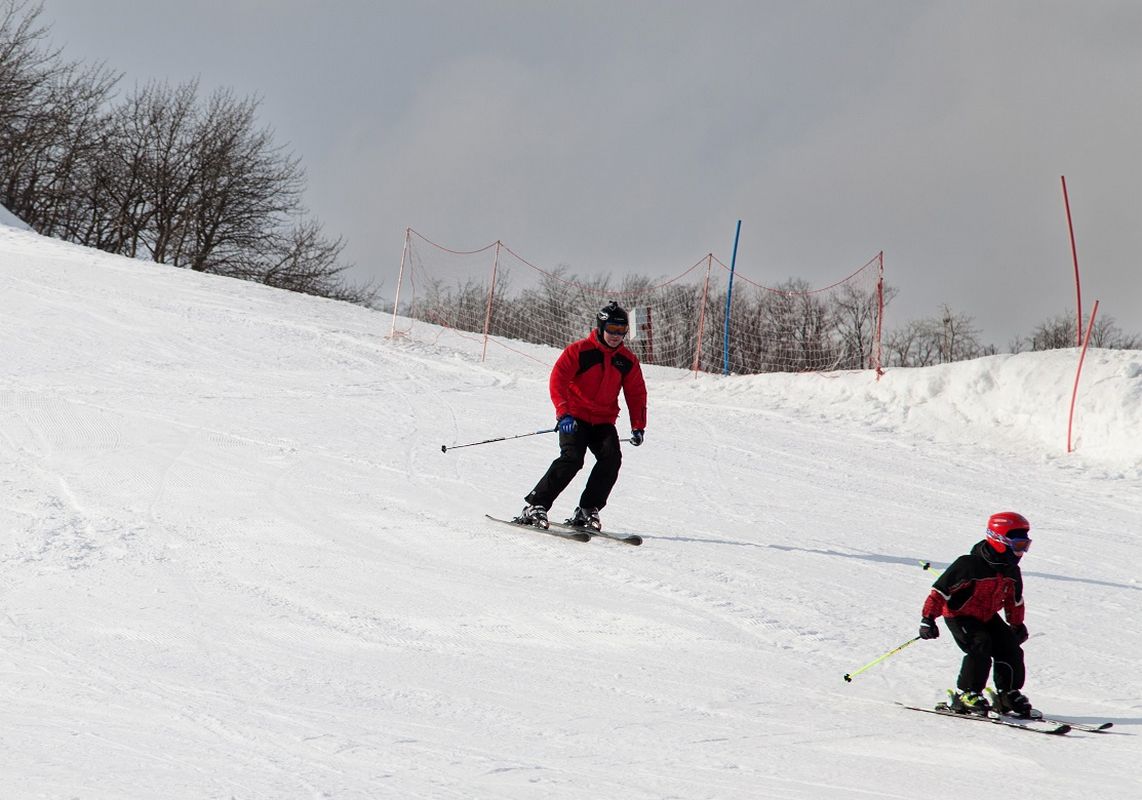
x: 615, y: 329
x: 1018, y: 544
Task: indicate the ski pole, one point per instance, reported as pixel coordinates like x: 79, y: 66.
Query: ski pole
x: 874, y: 662
x: 928, y: 566
x: 445, y: 448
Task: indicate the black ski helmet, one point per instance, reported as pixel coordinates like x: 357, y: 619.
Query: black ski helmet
x: 612, y: 313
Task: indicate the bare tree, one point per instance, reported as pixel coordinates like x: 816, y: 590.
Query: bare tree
x: 141, y: 188
x: 957, y: 336
x: 899, y: 343
x: 1054, y: 334
x: 856, y: 312
x: 307, y: 261
x: 247, y: 190
x: 1058, y: 333
x: 25, y: 65
x: 798, y: 329
x: 915, y: 344
x: 1106, y: 333
x: 162, y: 175
x: 949, y: 337
x: 74, y: 140
x: 51, y: 123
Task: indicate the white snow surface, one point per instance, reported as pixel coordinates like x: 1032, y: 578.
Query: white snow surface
x: 236, y: 563
x: 8, y: 219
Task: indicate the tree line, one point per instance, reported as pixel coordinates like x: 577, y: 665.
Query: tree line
x: 162, y: 173
x: 953, y: 336
x: 788, y: 330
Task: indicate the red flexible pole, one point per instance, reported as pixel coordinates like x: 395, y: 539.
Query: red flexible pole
x: 1075, y: 391
x: 1075, y: 259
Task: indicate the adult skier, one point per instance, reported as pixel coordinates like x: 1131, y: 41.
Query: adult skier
x: 969, y: 595
x: 584, y: 385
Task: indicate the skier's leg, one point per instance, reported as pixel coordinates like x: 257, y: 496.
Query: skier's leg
x: 604, y: 444
x: 1009, y: 671
x: 572, y: 450
x: 974, y: 639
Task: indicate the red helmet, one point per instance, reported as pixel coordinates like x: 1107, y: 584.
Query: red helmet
x: 1009, y: 530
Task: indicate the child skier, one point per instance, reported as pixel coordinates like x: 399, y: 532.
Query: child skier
x: 969, y: 595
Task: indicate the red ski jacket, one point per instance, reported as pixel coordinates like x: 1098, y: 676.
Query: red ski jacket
x: 586, y: 380
x: 975, y: 587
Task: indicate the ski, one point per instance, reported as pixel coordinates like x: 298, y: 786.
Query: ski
x: 558, y: 531
x: 1034, y: 726
x: 1089, y: 727
x: 625, y: 538
x: 1037, y: 715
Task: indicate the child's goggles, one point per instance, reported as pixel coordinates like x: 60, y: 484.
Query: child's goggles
x: 1017, y: 544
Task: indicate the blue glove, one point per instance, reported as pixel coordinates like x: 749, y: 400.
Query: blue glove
x: 567, y: 424
x: 636, y: 437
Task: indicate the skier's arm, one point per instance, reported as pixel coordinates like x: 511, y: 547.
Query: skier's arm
x: 1013, y: 608
x: 934, y: 605
x: 559, y: 385
x: 634, y: 390
x: 954, y: 579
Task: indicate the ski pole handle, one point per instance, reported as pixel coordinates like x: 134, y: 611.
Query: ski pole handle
x: 850, y: 675
x: 445, y: 448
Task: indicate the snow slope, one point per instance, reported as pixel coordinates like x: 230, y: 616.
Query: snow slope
x: 8, y: 219
x: 236, y: 563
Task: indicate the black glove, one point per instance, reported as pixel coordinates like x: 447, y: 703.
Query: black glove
x: 928, y: 629
x: 567, y: 424
x: 636, y: 437
x: 1020, y: 633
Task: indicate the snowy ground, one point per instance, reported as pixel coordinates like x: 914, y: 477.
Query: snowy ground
x: 236, y: 563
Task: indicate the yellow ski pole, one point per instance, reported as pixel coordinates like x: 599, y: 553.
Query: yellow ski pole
x: 849, y: 675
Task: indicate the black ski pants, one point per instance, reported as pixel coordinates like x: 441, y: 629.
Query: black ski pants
x: 984, y: 643
x: 603, y: 442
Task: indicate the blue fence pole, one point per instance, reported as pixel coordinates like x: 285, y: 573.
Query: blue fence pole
x: 729, y: 296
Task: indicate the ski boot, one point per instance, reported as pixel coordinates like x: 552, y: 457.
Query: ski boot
x: 586, y: 518
x: 1012, y: 702
x: 533, y: 515
x: 968, y: 703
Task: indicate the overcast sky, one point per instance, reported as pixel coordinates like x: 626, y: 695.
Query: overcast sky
x: 615, y: 136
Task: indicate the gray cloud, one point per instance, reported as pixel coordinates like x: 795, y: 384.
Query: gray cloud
x: 612, y: 136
